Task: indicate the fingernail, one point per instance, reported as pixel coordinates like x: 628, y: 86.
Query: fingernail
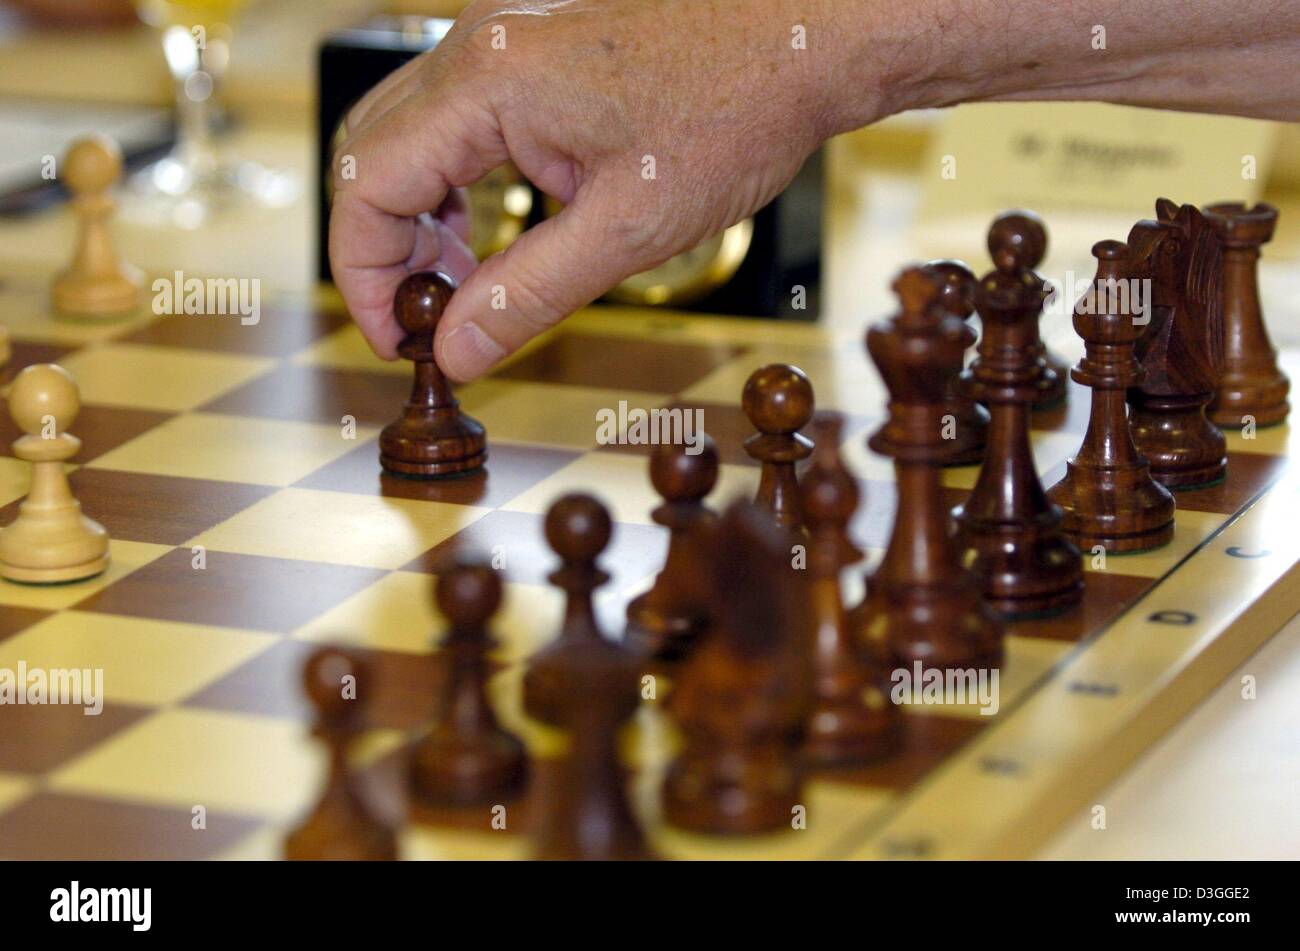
x: 468, y: 352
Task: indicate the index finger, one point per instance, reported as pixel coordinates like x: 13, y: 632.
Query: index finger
x: 402, y: 165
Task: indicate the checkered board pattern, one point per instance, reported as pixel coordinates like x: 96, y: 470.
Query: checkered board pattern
x: 251, y: 523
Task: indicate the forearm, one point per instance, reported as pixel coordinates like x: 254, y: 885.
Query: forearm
x: 1240, y: 57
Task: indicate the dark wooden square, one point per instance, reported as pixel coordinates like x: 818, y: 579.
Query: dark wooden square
x: 245, y: 591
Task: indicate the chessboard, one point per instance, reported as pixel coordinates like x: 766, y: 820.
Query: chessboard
x: 235, y: 469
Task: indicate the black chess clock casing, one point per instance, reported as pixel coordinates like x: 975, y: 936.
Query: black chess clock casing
x: 768, y: 265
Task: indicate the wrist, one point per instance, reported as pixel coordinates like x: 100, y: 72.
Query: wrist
x: 869, y: 60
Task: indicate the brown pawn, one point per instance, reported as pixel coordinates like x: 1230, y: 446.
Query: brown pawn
x: 1251, y: 383
x: 666, y: 620
x: 586, y: 814
x: 852, y: 719
x: 742, y: 699
x: 467, y: 758
x: 432, y: 438
x: 1107, y: 495
x: 778, y: 399
x: 1010, y: 530
x: 1181, y: 349
x: 1028, y: 229
x: 578, y: 528
x: 970, y: 420
x: 922, y: 605
x: 342, y: 827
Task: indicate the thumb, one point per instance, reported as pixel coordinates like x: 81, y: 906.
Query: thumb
x: 550, y: 271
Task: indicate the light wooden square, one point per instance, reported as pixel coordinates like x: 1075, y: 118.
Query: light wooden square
x: 183, y: 658
x: 233, y: 449
x: 339, y: 528
x: 122, y: 374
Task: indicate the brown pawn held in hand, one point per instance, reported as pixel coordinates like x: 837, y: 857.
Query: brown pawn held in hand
x: 343, y: 826
x: 742, y: 700
x: 922, y: 604
x: 432, y: 438
x: 1181, y: 256
x: 1251, y: 383
x: 467, y: 758
x: 578, y: 528
x: 852, y: 719
x: 665, y: 621
x: 1107, y: 495
x: 778, y: 399
x: 97, y: 283
x: 969, y: 420
x: 1011, y: 531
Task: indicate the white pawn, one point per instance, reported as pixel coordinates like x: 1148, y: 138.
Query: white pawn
x: 50, y: 540
x: 97, y: 283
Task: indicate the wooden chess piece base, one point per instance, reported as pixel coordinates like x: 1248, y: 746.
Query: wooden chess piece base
x: 1184, y: 450
x: 449, y: 769
x: 97, y: 295
x: 1028, y: 569
x: 729, y: 793
x: 547, y: 684
x: 826, y: 750
x: 341, y: 830
x: 1122, y: 511
x: 51, y: 542
x: 947, y: 626
x: 1261, y: 396
x: 432, y: 438
x: 849, y: 729
x: 433, y: 443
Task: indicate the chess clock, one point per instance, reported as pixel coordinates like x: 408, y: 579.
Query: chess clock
x: 768, y: 265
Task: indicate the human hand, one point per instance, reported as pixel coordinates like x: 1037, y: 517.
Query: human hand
x: 657, y: 125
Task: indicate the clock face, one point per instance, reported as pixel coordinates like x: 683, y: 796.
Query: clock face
x: 689, y: 276
x: 499, y: 204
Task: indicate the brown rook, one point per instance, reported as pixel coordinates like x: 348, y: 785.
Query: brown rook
x: 1251, y: 383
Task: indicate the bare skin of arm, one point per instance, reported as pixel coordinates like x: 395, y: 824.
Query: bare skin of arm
x: 577, y: 93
